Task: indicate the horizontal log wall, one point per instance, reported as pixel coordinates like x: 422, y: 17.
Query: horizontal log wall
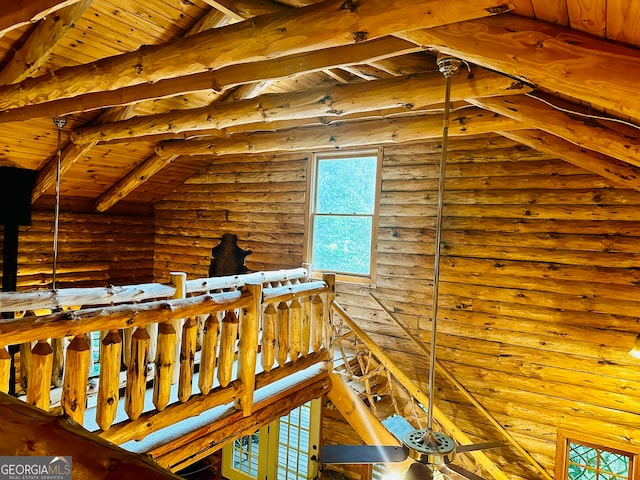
x: 93, y: 250
x: 539, y: 278
x: 260, y: 198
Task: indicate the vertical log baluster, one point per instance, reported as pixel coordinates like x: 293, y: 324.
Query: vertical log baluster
x: 327, y: 297
x: 25, y: 364
x: 305, y: 326
x: 227, y: 347
x: 187, y: 358
x: 126, y: 347
x: 165, y: 358
x: 76, y: 376
x: 109, y: 386
x: 137, y: 373
x: 39, y: 383
x: 57, y: 368
x: 317, y: 323
x: 295, y: 329
x: 5, y: 369
x: 179, y: 280
x: 282, y: 348
x: 248, y: 349
x: 208, y: 353
x: 268, y: 337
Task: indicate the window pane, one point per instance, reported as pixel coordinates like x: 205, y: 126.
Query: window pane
x: 342, y: 244
x: 346, y: 185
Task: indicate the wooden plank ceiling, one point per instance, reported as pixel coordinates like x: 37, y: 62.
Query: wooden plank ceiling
x: 151, y: 90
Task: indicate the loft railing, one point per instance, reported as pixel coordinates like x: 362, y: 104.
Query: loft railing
x: 230, y: 332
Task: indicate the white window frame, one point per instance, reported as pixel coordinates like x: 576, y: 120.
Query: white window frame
x: 370, y: 279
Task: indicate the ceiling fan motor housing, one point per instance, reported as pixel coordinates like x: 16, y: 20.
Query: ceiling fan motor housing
x: 429, y: 447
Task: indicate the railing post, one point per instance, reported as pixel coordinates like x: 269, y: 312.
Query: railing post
x: 179, y: 280
x: 268, y: 337
x: 187, y: 358
x: 137, y: 373
x: 39, y: 383
x: 282, y: 331
x: 248, y: 349
x: 295, y: 329
x: 305, y: 325
x: 227, y: 347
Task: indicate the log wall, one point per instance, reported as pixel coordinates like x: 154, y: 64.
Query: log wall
x: 539, y: 277
x: 93, y: 250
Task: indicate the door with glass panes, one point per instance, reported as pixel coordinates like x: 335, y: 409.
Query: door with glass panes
x: 283, y: 450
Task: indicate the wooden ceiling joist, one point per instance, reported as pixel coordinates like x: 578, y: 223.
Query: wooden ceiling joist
x: 580, y: 131
x: 353, y: 134
x: 220, y: 80
x: 553, y: 58
x: 261, y: 38
x: 603, y: 165
x: 22, y: 12
x: 410, y: 91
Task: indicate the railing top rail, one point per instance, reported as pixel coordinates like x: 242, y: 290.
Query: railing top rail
x: 69, y: 297
x: 288, y: 292
x: 235, y: 281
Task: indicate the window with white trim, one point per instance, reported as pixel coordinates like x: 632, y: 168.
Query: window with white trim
x: 343, y: 214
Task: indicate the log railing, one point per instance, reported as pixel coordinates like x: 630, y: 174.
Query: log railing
x: 193, y: 344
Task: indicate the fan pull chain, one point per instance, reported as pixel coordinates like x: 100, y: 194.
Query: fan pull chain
x: 59, y: 123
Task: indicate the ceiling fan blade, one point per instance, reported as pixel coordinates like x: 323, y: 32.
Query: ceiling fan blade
x: 463, y: 471
x: 355, y: 454
x: 478, y: 446
x: 418, y: 471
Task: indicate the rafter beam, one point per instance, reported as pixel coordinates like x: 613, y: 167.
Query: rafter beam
x: 221, y: 80
x: 269, y: 36
x: 239, y: 10
x: 414, y: 90
x: 581, y: 131
x: 35, y: 51
x: 615, y: 170
x: 470, y: 121
x: 18, y: 13
x: 552, y: 57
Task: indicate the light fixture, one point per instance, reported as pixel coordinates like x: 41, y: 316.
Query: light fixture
x: 635, y: 350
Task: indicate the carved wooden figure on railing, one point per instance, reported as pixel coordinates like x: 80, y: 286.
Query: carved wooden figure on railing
x: 227, y: 258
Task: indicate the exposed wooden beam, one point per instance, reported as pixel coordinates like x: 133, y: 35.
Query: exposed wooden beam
x: 243, y: 9
x: 410, y: 91
x: 555, y: 58
x: 619, y: 172
x: 580, y: 131
x: 354, y: 134
x: 268, y: 36
x: 220, y: 80
x: 27, y: 431
x: 35, y: 51
x: 21, y: 12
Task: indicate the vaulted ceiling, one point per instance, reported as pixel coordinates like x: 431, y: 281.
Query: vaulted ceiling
x: 152, y: 91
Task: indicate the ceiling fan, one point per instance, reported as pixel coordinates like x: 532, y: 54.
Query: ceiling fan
x: 432, y: 451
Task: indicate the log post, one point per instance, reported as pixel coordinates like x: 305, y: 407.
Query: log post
x: 210, y: 334
x: 165, y: 358
x: 109, y: 386
x: 5, y: 369
x: 39, y: 383
x: 137, y: 373
x: 126, y: 348
x: 74, y: 389
x: 317, y: 323
x: 187, y: 358
x: 227, y: 347
x: 282, y: 332
x: 248, y: 348
x: 295, y: 329
x: 179, y: 280
x: 305, y: 326
x: 268, y: 337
